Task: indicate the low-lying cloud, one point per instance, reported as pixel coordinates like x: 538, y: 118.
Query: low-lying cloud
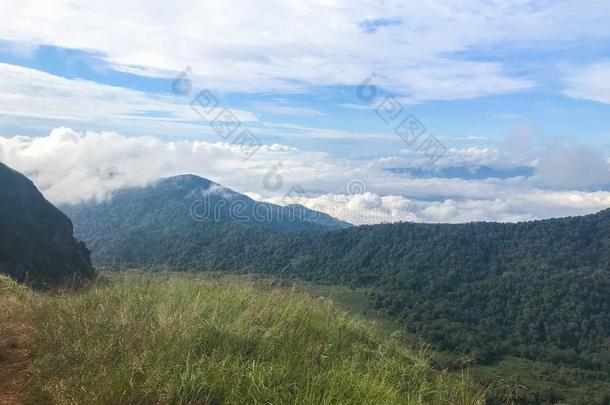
x: 70, y: 167
x: 573, y: 166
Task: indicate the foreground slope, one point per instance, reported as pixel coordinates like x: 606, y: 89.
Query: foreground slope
x: 36, y: 241
x: 188, y: 340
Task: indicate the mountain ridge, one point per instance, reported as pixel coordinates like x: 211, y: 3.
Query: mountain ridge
x: 182, y: 205
x: 36, y: 239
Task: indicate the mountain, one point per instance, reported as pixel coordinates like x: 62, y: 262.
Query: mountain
x: 540, y: 290
x: 36, y: 240
x: 478, y: 172
x: 140, y: 225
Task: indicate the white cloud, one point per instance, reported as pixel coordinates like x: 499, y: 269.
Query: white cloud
x: 22, y: 50
x: 327, y: 133
x: 30, y: 93
x: 69, y: 166
x: 219, y: 190
x: 365, y: 208
x: 278, y: 45
x: 445, y: 79
x: 283, y: 107
x: 470, y: 157
x: 589, y: 82
x: 370, y: 208
x: 573, y: 166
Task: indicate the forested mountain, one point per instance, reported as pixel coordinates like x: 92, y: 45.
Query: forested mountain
x: 135, y: 220
x: 36, y: 241
x: 539, y: 290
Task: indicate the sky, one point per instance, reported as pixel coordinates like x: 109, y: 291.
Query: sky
x: 371, y: 111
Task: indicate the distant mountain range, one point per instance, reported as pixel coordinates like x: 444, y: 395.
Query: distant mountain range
x: 479, y: 172
x: 36, y: 241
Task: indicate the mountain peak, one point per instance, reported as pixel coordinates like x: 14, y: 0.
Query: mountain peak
x: 186, y: 180
x: 187, y: 204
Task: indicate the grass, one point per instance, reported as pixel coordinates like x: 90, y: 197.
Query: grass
x: 511, y: 380
x: 185, y: 339
x: 8, y: 286
x: 355, y: 301
x: 15, y: 331
x: 537, y: 382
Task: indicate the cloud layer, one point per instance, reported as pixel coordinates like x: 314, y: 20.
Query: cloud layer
x: 69, y: 167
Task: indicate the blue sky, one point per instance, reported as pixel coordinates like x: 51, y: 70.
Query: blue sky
x: 488, y: 120
x: 505, y: 84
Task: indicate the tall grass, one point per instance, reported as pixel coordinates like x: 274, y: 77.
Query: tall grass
x: 15, y: 331
x: 188, y: 340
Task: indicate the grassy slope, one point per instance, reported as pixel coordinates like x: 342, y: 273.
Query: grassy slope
x: 14, y: 334
x: 512, y: 379
x: 537, y: 382
x: 195, y: 339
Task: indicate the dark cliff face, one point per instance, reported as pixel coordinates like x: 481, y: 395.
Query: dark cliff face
x: 36, y: 238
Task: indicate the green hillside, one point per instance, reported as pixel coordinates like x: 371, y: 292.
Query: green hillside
x: 191, y: 340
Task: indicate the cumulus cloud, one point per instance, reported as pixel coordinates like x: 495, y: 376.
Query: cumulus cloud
x: 573, y: 166
x: 508, y: 207
x: 70, y: 166
x: 520, y: 140
x: 359, y: 209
